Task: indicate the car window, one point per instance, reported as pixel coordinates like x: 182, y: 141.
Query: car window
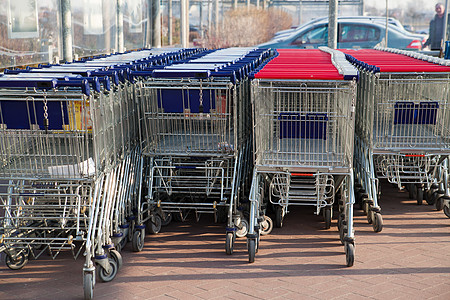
x: 317, y: 35
x: 358, y: 33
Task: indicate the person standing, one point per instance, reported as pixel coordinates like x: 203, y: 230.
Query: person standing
x: 436, y: 31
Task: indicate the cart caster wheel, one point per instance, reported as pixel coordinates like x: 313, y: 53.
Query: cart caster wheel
x: 108, y: 276
x: 229, y: 245
x: 439, y: 203
x: 365, y: 207
x: 117, y: 257
x: 370, y: 216
x: 447, y: 211
x: 154, y: 224
x: 342, y: 233
x: 412, y: 191
x: 429, y: 197
x: 131, y: 229
x: 138, y: 240
x: 243, y: 231
x: 88, y: 286
x: 419, y: 195
x: 349, y: 253
x: 327, y: 215
x: 266, y: 225
x: 339, y: 222
x: 279, y: 216
x: 18, y: 263
x: 166, y: 221
x: 377, y: 223
x: 251, y: 250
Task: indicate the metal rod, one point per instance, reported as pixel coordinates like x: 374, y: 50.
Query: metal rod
x: 67, y: 30
x: 156, y: 21
x: 170, y: 20
x: 120, y: 41
x: 332, y: 24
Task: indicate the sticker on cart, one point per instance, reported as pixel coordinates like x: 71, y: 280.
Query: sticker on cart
x: 80, y: 116
x: 225, y: 147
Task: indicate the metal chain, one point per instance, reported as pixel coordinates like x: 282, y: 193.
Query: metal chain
x: 45, y: 112
x: 201, y: 97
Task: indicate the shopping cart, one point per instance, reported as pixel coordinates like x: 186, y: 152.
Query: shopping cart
x: 303, y: 115
x: 196, y: 129
x: 402, y: 127
x: 71, y: 162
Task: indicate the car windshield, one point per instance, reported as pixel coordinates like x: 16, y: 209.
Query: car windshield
x: 318, y: 35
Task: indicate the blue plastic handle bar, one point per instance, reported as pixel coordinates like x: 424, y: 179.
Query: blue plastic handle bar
x: 112, y: 74
x: 81, y: 83
x: 95, y: 83
x: 43, y: 84
x: 181, y: 74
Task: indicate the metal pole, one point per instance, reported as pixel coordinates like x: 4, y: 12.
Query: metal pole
x: 186, y: 20
x: 156, y: 19
x: 248, y: 4
x: 148, y: 27
x: 387, y: 21
x: 235, y: 4
x: 170, y: 20
x: 184, y: 42
x: 300, y: 12
x: 209, y: 16
x: 67, y: 30
x: 216, y: 15
x: 106, y: 25
x: 200, y: 10
x: 257, y: 4
x: 361, y: 8
x: 120, y: 41
x: 444, y: 37
x: 332, y: 24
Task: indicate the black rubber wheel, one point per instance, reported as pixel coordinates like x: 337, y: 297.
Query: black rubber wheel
x: 370, y: 216
x: 412, y: 191
x: 229, y: 245
x: 279, y: 216
x: 154, y: 224
x: 266, y: 225
x: 447, y: 211
x: 365, y: 207
x: 342, y: 233
x: 377, y: 223
x: 166, y: 221
x: 439, y: 202
x: 327, y: 215
x: 340, y: 219
x: 419, y: 195
x: 117, y: 257
x: 88, y: 286
x: 138, y: 240
x: 251, y: 244
x: 240, y: 233
x: 107, y: 276
x: 349, y: 254
x: 18, y: 263
x: 131, y: 229
x: 429, y: 198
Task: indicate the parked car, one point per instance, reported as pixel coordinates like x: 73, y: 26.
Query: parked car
x: 353, y: 32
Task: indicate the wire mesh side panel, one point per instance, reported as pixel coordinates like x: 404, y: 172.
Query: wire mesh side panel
x: 303, y: 123
x: 28, y: 150
x: 194, y: 118
x: 406, y: 111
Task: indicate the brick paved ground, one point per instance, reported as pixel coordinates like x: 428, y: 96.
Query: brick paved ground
x: 409, y: 259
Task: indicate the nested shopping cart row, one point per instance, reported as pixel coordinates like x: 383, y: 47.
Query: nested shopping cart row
x: 402, y: 127
x: 303, y: 120
x: 70, y: 163
x: 196, y: 138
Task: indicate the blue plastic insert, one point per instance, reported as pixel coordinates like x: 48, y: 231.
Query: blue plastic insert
x: 309, y: 126
x: 406, y: 112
